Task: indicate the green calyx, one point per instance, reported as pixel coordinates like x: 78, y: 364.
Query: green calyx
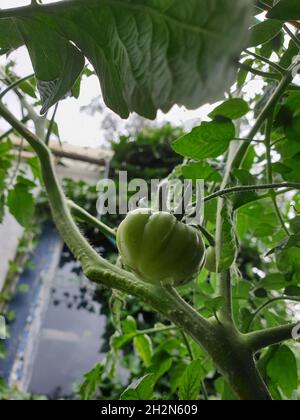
x: 159, y: 249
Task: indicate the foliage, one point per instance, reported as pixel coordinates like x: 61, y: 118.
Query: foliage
x: 146, y: 154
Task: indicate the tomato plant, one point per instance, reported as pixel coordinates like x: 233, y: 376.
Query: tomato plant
x: 150, y: 56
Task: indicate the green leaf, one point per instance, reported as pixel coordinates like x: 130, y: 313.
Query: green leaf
x: 143, y: 345
x: 232, y: 109
x: 10, y: 37
x: 21, y: 204
x: 129, y: 325
x: 282, y: 370
x: 201, y: 170
x: 209, y: 140
x: 190, y: 384
x: 35, y: 166
x: 148, y: 54
x: 160, y: 364
x: 228, y: 394
x: 214, y: 305
x: 295, y: 225
x: 274, y: 282
x: 288, y: 261
x: 243, y: 73
x: 141, y: 389
x: 264, y: 32
x: 91, y: 382
x: 293, y: 291
x: 57, y: 63
x: 285, y: 10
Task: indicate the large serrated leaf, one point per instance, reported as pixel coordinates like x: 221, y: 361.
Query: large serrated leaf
x: 148, y: 54
x: 209, y: 140
x: 140, y: 389
x: 282, y: 370
x: 190, y: 384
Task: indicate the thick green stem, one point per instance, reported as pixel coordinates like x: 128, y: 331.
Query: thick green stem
x: 266, y: 338
x: 228, y: 349
x: 224, y: 279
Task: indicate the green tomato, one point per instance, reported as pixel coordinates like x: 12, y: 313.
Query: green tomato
x: 159, y: 249
x: 211, y: 260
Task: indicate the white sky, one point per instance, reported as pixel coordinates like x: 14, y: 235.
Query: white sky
x: 77, y: 127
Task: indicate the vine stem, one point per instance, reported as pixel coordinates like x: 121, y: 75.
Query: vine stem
x: 251, y: 188
x: 268, y: 303
x: 51, y: 125
x: 84, y: 216
x: 268, y: 145
x: 281, y: 88
x: 275, y: 66
x: 256, y: 72
x: 292, y: 36
x: 14, y: 85
x: 224, y: 278
x: 265, y: 338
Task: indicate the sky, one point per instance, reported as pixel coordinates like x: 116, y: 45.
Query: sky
x: 76, y: 126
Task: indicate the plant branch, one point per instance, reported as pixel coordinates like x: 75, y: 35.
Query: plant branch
x: 51, y: 125
x: 268, y: 145
x: 11, y: 130
x: 281, y: 88
x: 275, y: 66
x: 262, y: 339
x: 224, y: 278
x: 84, y: 216
x: 293, y: 37
x: 14, y: 85
x: 256, y: 72
x: 269, y: 303
x: 251, y: 188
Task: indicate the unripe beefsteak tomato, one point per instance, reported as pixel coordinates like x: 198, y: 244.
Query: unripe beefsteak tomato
x: 159, y: 248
